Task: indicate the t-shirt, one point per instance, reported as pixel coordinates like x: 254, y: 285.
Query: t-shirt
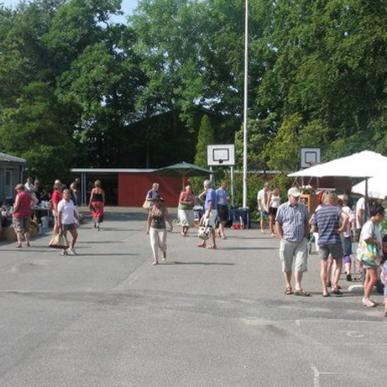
x: 360, y: 205
x: 293, y: 219
x: 327, y: 219
x: 55, y: 199
x: 67, y: 208
x: 222, y: 197
x: 347, y: 211
x: 262, y: 200
x: 210, y: 197
x: 370, y: 230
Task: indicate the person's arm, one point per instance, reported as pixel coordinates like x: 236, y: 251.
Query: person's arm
x: 34, y: 200
x: 360, y: 216
x: 148, y: 223
x: 201, y: 195
x: 16, y: 205
x: 344, y: 222
x: 91, y: 197
x: 168, y: 219
x: 103, y: 197
x: 279, y: 230
x: 278, y: 224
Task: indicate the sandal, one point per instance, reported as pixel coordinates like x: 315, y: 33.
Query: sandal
x: 326, y: 294
x: 302, y: 293
x: 288, y: 291
x: 337, y: 292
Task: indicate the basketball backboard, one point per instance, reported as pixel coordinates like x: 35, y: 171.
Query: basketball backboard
x: 310, y: 157
x: 218, y: 155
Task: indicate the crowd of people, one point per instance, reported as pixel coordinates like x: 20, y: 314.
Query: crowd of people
x: 63, y: 203
x: 333, y: 224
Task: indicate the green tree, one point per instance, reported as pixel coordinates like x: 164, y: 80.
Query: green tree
x: 206, y: 136
x: 37, y: 130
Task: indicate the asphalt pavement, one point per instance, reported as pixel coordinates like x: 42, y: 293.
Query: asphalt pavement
x: 107, y: 317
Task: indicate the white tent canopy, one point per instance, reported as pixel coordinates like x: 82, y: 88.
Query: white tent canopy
x: 363, y: 164
x: 377, y: 187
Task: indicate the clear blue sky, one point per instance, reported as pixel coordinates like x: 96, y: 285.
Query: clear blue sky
x: 127, y: 5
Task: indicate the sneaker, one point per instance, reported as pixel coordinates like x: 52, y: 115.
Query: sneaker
x: 72, y: 252
x: 368, y: 303
x: 63, y: 253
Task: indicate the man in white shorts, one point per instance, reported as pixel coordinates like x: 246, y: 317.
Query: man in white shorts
x: 210, y: 212
x: 292, y: 227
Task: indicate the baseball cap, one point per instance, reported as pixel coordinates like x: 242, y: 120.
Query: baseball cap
x: 294, y: 191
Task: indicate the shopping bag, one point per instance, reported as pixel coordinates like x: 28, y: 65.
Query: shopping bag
x: 59, y: 241
x: 147, y: 204
x: 204, y: 229
x: 368, y: 254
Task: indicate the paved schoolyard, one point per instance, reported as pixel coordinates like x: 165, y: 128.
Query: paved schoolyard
x: 205, y: 318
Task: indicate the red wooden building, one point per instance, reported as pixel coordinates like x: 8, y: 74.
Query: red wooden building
x: 128, y: 187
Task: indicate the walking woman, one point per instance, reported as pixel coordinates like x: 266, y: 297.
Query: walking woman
x: 156, y: 228
x: 274, y: 203
x: 56, y: 197
x: 22, y: 214
x: 371, y: 239
x: 67, y: 216
x: 97, y: 203
x: 185, y: 209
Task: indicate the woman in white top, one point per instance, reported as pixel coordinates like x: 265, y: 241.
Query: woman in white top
x: 274, y: 203
x: 67, y: 217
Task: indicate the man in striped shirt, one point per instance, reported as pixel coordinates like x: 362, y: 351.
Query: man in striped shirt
x: 292, y: 228
x: 330, y: 222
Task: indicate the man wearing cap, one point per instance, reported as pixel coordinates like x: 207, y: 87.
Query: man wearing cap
x: 292, y: 228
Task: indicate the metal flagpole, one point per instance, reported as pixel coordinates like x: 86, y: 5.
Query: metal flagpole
x: 245, y: 106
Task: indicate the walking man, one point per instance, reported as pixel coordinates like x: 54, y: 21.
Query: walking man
x: 292, y: 227
x: 327, y: 220
x: 211, y: 213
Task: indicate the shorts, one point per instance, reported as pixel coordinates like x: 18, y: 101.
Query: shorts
x: 294, y: 251
x: 69, y: 227
x: 273, y: 211
x: 335, y: 250
x: 263, y: 214
x: 22, y: 224
x: 222, y: 213
x: 212, y: 219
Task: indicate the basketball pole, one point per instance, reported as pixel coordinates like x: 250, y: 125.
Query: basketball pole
x: 245, y: 107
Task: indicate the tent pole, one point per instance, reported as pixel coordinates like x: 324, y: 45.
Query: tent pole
x: 366, y: 200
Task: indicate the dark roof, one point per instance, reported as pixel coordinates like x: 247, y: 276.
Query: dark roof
x: 11, y: 159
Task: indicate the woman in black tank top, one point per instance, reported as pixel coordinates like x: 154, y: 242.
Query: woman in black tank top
x: 97, y: 204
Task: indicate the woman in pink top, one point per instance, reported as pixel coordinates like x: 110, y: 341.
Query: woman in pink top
x: 22, y: 212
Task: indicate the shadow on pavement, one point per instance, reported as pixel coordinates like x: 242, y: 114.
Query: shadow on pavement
x: 200, y: 263
x: 247, y: 248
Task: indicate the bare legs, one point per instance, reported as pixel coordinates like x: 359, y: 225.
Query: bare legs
x: 19, y: 237
x: 369, y: 283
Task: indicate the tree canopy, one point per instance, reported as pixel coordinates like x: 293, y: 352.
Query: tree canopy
x: 80, y: 89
